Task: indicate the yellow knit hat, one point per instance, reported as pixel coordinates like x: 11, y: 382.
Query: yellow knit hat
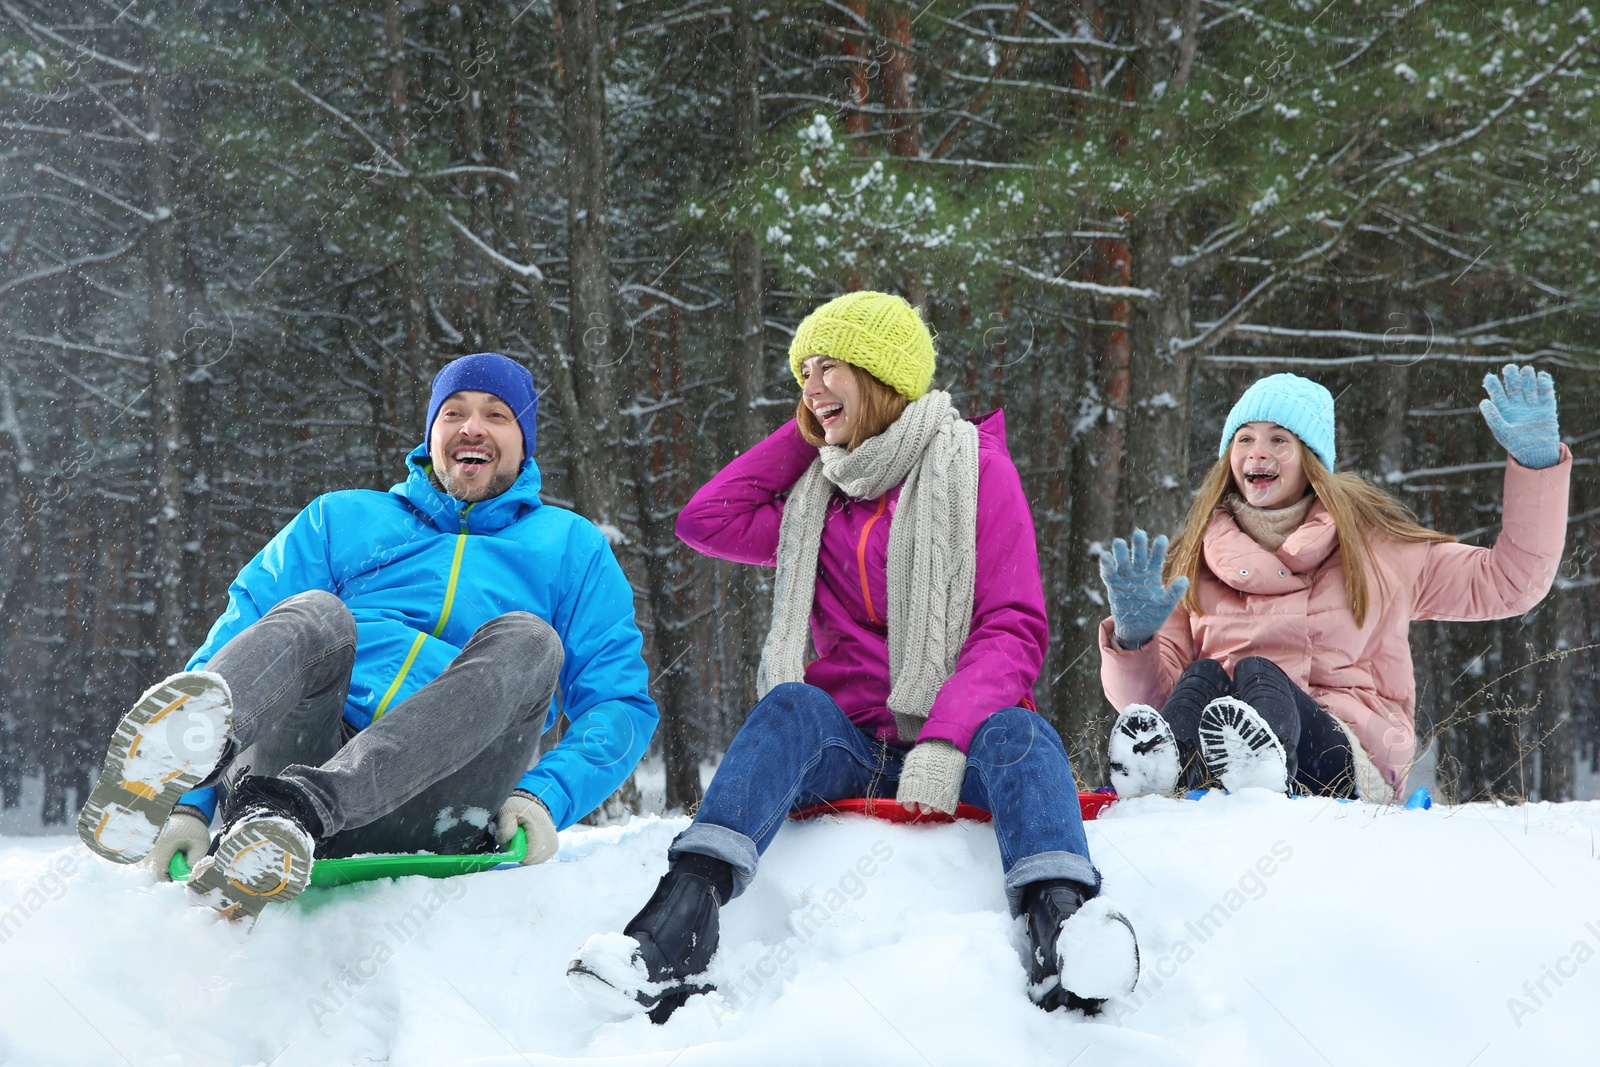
x: 878, y: 332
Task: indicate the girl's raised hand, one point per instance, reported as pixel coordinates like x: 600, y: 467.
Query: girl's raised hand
x: 1522, y: 415
x: 1139, y: 602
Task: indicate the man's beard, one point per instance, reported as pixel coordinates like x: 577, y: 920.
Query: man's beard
x: 471, y: 494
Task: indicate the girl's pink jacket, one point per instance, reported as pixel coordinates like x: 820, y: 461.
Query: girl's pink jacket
x: 1290, y: 606
x: 736, y: 516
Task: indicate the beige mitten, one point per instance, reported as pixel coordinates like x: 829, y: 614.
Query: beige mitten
x: 933, y: 774
x: 528, y: 811
x: 188, y: 831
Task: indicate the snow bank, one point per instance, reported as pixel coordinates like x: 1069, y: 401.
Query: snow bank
x: 1274, y: 931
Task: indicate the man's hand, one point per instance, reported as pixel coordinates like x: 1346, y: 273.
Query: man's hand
x: 187, y: 831
x: 528, y: 811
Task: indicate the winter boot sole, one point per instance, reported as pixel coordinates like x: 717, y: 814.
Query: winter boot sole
x: 1240, y: 748
x: 165, y: 746
x: 1142, y: 754
x: 259, y: 862
x: 1098, y: 955
x: 608, y: 973
x: 596, y: 992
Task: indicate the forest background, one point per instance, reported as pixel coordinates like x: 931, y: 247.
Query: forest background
x: 237, y: 239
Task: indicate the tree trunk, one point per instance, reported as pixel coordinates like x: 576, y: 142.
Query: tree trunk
x: 900, y: 85
x: 161, y: 347
x: 21, y: 550
x: 748, y: 352
x: 858, y: 82
x: 1099, y: 459
x: 659, y: 464
x: 416, y: 368
x: 1557, y: 747
x: 596, y: 338
x: 584, y: 457
x: 1158, y: 482
x: 482, y: 314
x: 747, y: 355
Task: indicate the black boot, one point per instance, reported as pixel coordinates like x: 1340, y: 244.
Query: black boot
x: 264, y: 853
x: 1046, y: 905
x: 672, y: 939
x: 256, y: 795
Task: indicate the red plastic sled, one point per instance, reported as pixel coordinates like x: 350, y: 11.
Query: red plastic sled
x: 890, y: 810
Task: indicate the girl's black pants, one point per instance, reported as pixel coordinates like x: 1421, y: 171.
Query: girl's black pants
x: 1317, y: 750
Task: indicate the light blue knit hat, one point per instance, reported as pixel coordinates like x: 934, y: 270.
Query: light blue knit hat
x: 1298, y: 404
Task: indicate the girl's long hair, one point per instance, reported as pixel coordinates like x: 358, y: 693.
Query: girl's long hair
x: 880, y: 405
x: 1362, y: 513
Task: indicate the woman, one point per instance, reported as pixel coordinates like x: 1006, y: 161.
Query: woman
x: 1286, y: 664
x: 901, y: 535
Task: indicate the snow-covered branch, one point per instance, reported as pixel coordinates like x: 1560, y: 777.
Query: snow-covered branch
x: 95, y: 190
x: 667, y: 298
x: 61, y: 270
x: 521, y: 270
x: 1549, y: 356
x: 395, y: 165
x: 36, y: 31
x: 1250, y: 329
x: 1116, y: 292
x: 1514, y: 98
x: 464, y: 169
x: 1054, y: 41
x: 75, y: 346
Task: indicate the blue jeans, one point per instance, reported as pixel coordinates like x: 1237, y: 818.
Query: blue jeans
x: 798, y: 749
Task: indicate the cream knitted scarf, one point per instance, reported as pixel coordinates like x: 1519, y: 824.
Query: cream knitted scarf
x: 1269, y: 528
x: 932, y: 552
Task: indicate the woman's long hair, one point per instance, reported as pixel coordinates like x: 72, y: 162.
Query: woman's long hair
x: 1362, y: 513
x: 880, y: 405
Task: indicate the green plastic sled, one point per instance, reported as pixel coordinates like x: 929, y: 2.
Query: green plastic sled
x: 331, y: 872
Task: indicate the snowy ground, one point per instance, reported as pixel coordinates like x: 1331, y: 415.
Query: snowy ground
x: 1275, y: 931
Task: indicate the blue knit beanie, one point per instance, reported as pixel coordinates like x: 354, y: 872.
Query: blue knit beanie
x: 487, y: 372
x: 1298, y: 404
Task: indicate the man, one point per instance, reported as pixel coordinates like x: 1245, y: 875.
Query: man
x: 384, y: 670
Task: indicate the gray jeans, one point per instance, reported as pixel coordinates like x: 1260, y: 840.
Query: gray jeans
x: 433, y: 771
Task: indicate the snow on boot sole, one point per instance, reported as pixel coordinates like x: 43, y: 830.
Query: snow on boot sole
x: 258, y: 862
x: 1142, y: 754
x: 1240, y: 748
x: 607, y: 973
x: 165, y: 746
x: 1098, y: 952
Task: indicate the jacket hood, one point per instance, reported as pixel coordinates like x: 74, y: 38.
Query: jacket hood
x: 452, y: 515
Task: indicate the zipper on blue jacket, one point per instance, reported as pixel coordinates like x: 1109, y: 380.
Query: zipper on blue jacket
x: 444, y: 617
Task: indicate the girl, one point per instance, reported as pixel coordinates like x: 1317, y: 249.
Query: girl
x: 902, y: 537
x: 1286, y: 664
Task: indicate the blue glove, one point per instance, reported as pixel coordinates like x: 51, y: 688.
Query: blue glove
x: 1522, y: 415
x: 1139, y: 604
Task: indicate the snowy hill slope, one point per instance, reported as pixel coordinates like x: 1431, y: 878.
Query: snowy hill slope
x: 1275, y: 931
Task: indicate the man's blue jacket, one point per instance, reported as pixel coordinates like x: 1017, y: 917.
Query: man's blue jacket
x: 420, y: 571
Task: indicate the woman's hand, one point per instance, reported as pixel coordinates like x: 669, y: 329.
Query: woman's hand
x: 1522, y: 415
x: 1139, y: 602
x: 931, y: 778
